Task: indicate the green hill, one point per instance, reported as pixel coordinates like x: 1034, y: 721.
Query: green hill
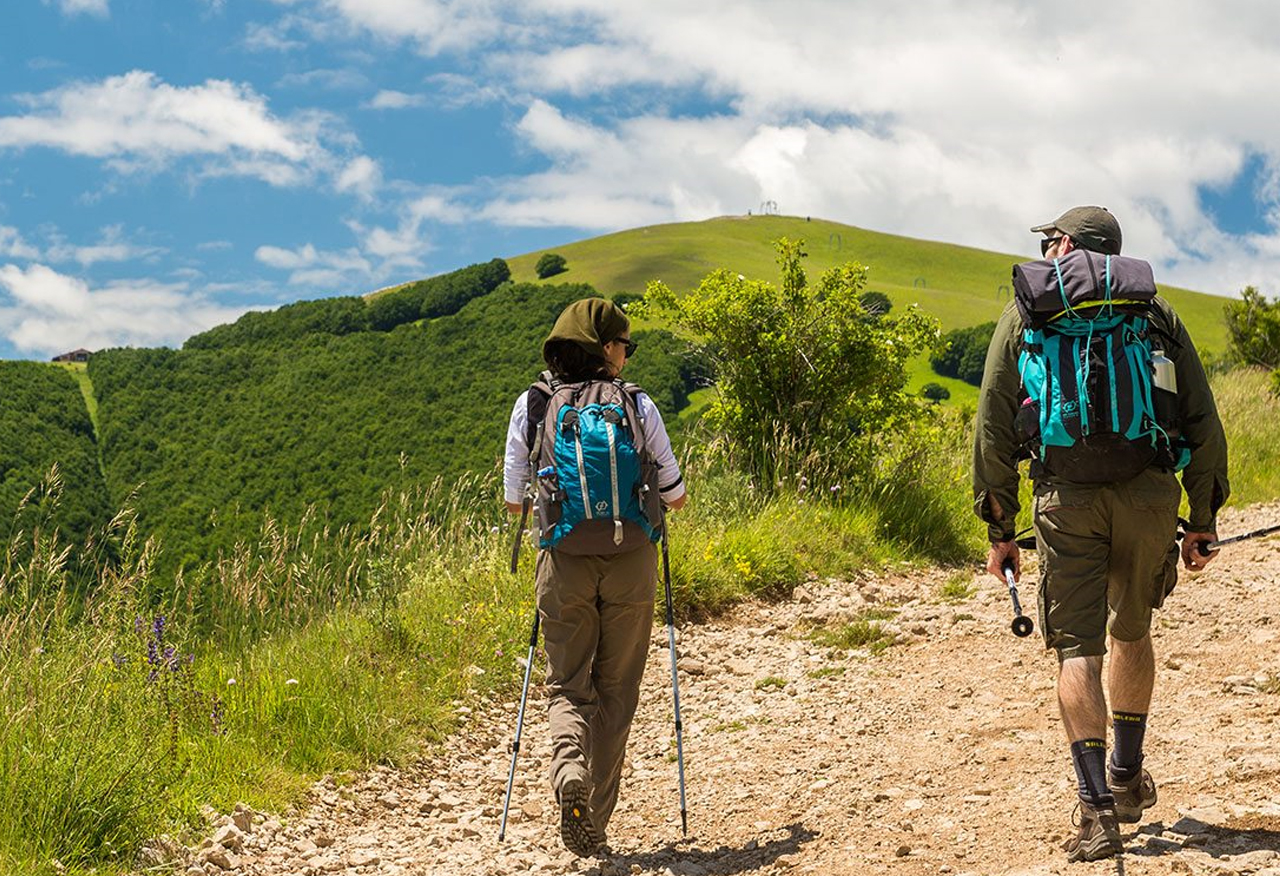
x: 960, y: 285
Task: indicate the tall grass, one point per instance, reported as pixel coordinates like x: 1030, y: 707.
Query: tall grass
x: 128, y: 707
x: 1251, y: 418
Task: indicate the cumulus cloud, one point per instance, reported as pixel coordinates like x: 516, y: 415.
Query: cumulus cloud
x: 135, y: 122
x: 962, y: 121
x: 43, y: 312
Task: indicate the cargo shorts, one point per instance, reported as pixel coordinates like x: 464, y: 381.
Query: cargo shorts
x: 1108, y: 557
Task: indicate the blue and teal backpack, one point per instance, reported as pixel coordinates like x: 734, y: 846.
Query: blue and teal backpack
x: 1092, y: 412
x: 596, y: 479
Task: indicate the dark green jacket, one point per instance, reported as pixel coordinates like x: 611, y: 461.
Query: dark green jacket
x: 995, y: 471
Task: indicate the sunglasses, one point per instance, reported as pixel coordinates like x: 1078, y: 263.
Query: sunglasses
x: 1048, y: 242
x: 630, y: 345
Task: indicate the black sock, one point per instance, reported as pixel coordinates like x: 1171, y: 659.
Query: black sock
x: 1130, y: 729
x: 1089, y: 756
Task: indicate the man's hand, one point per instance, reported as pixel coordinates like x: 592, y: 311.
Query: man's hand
x: 999, y: 552
x: 1191, y: 556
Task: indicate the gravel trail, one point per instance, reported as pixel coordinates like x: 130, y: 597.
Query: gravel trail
x: 941, y: 755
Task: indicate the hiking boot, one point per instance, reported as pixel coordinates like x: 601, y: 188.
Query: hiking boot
x: 578, y: 830
x: 1133, y: 796
x: 1099, y: 835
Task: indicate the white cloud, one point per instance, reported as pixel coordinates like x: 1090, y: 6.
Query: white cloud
x: 321, y: 270
x: 137, y: 122
x: 340, y: 79
x: 395, y: 100
x: 12, y: 246
x: 49, y: 313
x: 85, y: 7
x: 112, y: 246
x: 966, y: 122
x: 270, y: 38
x: 362, y: 176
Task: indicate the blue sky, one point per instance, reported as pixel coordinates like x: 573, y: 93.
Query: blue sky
x: 167, y: 164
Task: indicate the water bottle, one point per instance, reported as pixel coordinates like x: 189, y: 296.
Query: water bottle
x: 1164, y: 380
x: 1165, y: 374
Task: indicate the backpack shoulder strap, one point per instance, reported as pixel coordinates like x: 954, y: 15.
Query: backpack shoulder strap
x: 539, y: 396
x: 631, y: 393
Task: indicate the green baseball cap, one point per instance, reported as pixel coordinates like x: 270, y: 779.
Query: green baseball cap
x: 1092, y: 228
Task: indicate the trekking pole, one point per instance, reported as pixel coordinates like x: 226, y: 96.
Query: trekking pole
x: 528, y: 669
x: 1207, y: 547
x: 1022, y: 625
x: 675, y: 682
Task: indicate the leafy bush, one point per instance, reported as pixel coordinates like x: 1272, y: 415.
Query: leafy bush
x: 795, y: 362
x: 1253, y: 329
x: 963, y: 353
x: 876, y: 304
x: 935, y: 392
x: 550, y: 264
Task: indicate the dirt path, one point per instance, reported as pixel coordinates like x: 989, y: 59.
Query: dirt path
x: 942, y: 755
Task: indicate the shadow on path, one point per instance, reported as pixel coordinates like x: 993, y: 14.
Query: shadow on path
x: 1238, y: 836
x: 722, y: 861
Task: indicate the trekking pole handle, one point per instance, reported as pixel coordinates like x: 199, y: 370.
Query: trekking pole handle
x: 1022, y: 625
x: 1205, y: 548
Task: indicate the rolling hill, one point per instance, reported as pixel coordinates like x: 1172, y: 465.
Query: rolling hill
x: 960, y: 285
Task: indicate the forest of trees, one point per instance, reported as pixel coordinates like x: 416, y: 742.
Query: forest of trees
x: 43, y: 420
x: 963, y: 353
x: 221, y: 434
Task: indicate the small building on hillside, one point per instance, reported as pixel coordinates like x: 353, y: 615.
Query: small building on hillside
x: 80, y: 355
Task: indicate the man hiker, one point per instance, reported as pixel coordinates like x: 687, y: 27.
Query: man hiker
x: 1095, y: 379
x: 602, y: 468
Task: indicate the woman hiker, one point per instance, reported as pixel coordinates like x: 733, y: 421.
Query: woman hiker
x: 602, y: 471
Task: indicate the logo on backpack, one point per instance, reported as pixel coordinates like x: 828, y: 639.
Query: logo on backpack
x: 597, y: 484
x: 1092, y: 412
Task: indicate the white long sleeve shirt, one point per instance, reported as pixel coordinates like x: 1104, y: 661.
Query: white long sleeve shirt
x: 515, y: 469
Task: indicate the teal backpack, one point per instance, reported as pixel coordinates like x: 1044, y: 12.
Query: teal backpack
x: 596, y: 479
x: 1092, y: 412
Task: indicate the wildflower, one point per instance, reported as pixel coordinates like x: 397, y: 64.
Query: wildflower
x: 216, y: 716
x: 119, y: 659
x: 836, y: 488
x: 495, y: 529
x: 291, y: 681
x: 230, y: 682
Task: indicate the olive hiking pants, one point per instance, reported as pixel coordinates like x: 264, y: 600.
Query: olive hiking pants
x: 597, y: 615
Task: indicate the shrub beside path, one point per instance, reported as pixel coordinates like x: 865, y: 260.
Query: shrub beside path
x: 941, y: 755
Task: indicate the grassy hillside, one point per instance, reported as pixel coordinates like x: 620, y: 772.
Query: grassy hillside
x: 960, y: 285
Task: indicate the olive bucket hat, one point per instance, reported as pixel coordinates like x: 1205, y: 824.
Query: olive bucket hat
x: 1093, y: 228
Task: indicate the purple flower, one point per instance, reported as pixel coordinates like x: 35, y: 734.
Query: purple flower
x: 157, y: 627
x: 119, y: 660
